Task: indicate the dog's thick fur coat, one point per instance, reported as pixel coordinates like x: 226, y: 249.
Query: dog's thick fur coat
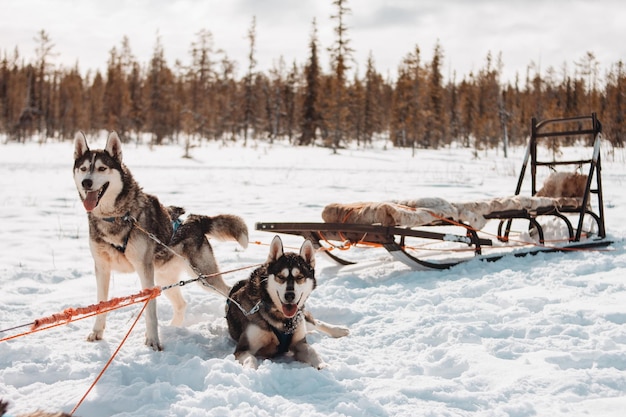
x: 128, y: 231
x: 4, y: 406
x: 266, y: 315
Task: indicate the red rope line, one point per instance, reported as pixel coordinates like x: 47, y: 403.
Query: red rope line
x: 93, y: 384
x: 112, y: 304
x: 70, y: 314
x: 259, y: 243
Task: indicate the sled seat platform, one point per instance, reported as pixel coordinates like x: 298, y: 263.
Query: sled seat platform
x: 389, y: 237
x: 462, y: 244
x: 435, y: 233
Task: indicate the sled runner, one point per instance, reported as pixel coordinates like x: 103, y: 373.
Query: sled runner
x: 425, y: 232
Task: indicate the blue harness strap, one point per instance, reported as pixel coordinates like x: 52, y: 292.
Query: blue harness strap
x: 175, y: 225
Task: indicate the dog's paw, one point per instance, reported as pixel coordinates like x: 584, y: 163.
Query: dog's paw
x: 95, y: 335
x: 250, y: 363
x: 154, y: 344
x: 329, y: 329
x: 248, y: 360
x: 339, y: 331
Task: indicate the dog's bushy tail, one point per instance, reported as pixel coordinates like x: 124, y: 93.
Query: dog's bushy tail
x: 222, y: 226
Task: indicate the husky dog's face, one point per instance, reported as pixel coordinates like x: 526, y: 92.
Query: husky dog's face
x: 291, y: 277
x: 97, y: 174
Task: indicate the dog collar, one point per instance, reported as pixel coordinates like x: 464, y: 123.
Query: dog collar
x: 126, y: 217
x: 286, y: 336
x: 289, y: 325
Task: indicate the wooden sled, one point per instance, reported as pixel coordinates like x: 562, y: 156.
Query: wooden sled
x: 582, y: 217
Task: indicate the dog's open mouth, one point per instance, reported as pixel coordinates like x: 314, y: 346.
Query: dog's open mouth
x: 290, y: 310
x: 92, y: 198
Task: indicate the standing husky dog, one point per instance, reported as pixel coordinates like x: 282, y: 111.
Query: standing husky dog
x: 266, y: 314
x: 125, y: 223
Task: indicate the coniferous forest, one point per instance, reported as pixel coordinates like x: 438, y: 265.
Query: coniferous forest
x: 203, y: 99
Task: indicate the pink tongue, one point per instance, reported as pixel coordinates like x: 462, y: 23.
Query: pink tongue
x: 91, y: 200
x: 290, y: 310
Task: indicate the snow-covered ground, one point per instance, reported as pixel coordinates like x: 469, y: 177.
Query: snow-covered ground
x: 535, y: 336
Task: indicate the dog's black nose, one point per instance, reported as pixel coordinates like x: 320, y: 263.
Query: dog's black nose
x: 87, y: 183
x: 290, y: 296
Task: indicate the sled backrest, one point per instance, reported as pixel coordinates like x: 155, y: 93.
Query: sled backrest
x: 586, y: 128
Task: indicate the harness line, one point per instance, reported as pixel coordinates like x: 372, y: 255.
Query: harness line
x: 112, y: 357
x: 70, y: 314
x: 200, y: 276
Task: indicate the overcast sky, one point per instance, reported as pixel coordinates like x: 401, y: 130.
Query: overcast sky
x: 548, y: 33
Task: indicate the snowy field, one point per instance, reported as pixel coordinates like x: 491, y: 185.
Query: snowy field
x: 535, y: 336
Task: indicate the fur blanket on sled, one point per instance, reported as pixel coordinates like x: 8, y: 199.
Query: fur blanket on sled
x: 557, y: 192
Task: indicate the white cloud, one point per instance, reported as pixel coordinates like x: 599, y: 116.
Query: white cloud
x: 546, y: 33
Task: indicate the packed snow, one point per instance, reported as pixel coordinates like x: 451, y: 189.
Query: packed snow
x: 542, y: 335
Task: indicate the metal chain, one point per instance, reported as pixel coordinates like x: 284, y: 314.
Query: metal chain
x: 200, y: 276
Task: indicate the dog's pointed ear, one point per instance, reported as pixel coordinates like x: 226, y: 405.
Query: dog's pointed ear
x: 114, y: 146
x: 80, y: 145
x: 276, y: 249
x: 307, y: 252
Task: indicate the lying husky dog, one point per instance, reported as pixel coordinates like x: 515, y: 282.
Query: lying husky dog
x: 125, y: 223
x: 265, y: 313
x: 4, y: 406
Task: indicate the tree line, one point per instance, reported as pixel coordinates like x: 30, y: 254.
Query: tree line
x: 203, y: 99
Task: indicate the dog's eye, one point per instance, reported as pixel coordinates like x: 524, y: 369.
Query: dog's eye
x: 83, y: 169
x: 102, y: 169
x: 300, y: 279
